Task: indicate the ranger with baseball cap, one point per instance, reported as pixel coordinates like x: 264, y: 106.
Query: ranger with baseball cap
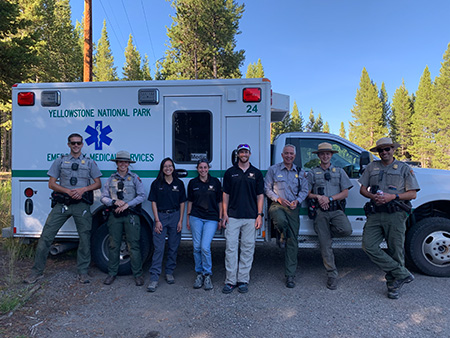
x: 390, y: 184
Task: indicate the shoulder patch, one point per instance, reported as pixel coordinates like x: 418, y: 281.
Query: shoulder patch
x: 395, y: 166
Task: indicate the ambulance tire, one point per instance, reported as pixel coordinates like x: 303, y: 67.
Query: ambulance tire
x: 99, y: 249
x: 427, y: 246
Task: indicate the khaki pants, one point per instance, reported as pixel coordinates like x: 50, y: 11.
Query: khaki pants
x: 238, y: 268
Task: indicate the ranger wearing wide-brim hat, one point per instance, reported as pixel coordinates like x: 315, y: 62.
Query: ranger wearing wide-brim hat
x: 123, y: 193
x: 123, y: 156
x: 390, y: 185
x: 328, y: 189
x: 383, y: 143
x: 323, y: 147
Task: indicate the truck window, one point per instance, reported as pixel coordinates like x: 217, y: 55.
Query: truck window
x: 192, y: 135
x: 345, y: 158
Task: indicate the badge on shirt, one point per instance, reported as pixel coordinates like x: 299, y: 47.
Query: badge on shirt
x: 211, y: 188
x: 280, y: 176
x: 296, y: 175
x: 83, y: 161
x: 175, y: 188
x: 251, y: 175
x: 129, y: 178
x: 333, y: 170
x: 395, y: 166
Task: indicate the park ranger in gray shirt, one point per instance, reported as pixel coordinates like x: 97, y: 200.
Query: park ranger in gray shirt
x: 286, y: 186
x: 328, y: 188
x: 78, y: 176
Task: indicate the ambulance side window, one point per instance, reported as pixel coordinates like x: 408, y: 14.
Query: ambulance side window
x: 192, y: 136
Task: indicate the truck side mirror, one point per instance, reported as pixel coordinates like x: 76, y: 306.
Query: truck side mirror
x: 364, y: 159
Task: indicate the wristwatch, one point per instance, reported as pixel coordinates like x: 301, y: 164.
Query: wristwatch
x: 330, y: 198
x: 260, y: 214
x: 397, y: 197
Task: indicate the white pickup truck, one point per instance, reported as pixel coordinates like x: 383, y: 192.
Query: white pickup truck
x: 427, y: 243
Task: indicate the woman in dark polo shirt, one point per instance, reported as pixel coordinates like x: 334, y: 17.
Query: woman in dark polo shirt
x: 204, y: 211
x: 168, y: 198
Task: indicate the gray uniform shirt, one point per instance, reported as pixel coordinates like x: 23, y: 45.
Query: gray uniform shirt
x: 288, y: 184
x: 395, y: 178
x: 62, y: 169
x: 133, y: 189
x: 338, y: 181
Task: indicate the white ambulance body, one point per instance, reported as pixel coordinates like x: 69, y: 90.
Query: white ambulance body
x: 183, y: 120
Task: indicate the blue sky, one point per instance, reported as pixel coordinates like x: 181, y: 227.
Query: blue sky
x: 312, y: 50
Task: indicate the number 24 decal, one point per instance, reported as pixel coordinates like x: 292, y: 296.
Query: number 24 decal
x: 252, y: 109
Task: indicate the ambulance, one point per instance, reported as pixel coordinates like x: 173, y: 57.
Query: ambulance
x: 187, y: 120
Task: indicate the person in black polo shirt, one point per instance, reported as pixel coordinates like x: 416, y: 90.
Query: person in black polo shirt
x: 204, y: 211
x: 168, y: 198
x: 243, y: 199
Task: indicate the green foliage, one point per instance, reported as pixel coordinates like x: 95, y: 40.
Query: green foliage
x: 58, y: 49
x: 291, y: 122
x: 255, y: 70
x: 146, y: 69
x: 401, y: 120
x: 386, y: 114
x: 423, y: 123
x: 326, y: 128
x: 103, y: 68
x: 368, y: 124
x: 16, y: 48
x: 202, y: 40
x: 441, y: 105
x: 132, y: 68
x: 342, y: 132
x: 314, y: 125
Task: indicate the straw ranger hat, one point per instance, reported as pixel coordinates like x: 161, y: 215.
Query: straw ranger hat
x: 325, y: 146
x: 123, y: 156
x: 384, y: 142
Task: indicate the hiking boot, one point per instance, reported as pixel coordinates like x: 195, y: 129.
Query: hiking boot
x: 243, y: 287
x: 152, y: 286
x: 33, y: 277
x: 290, y: 282
x: 170, y: 279
x: 139, y: 281
x: 228, y: 288
x: 198, y: 281
x: 332, y: 283
x: 83, y: 278
x: 398, y: 283
x: 109, y: 280
x: 208, y: 283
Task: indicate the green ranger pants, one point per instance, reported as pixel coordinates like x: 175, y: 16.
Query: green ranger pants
x: 131, y: 225
x: 287, y: 222
x: 390, y: 227
x: 58, y: 216
x: 329, y: 224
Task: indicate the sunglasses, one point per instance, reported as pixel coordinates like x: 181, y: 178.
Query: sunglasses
x: 243, y: 145
x: 76, y: 143
x: 387, y: 149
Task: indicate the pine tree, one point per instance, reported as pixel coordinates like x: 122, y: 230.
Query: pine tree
x: 386, y: 115
x: 326, y: 128
x: 146, y: 69
x: 442, y: 113
x: 103, y: 69
x: 202, y: 40
x: 16, y: 49
x: 342, y: 132
x: 255, y: 71
x: 132, y: 67
x: 281, y: 127
x: 58, y: 50
x: 401, y: 120
x: 318, y: 124
x: 296, y: 119
x: 424, y: 128
x: 311, y: 122
x: 367, y: 125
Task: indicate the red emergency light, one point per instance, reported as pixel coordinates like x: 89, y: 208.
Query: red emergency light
x: 251, y: 95
x: 29, y: 192
x: 25, y: 99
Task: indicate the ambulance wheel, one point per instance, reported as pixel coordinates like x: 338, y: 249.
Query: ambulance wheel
x: 100, y: 249
x: 428, y: 246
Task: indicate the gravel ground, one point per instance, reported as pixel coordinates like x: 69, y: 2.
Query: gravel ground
x: 359, y: 308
